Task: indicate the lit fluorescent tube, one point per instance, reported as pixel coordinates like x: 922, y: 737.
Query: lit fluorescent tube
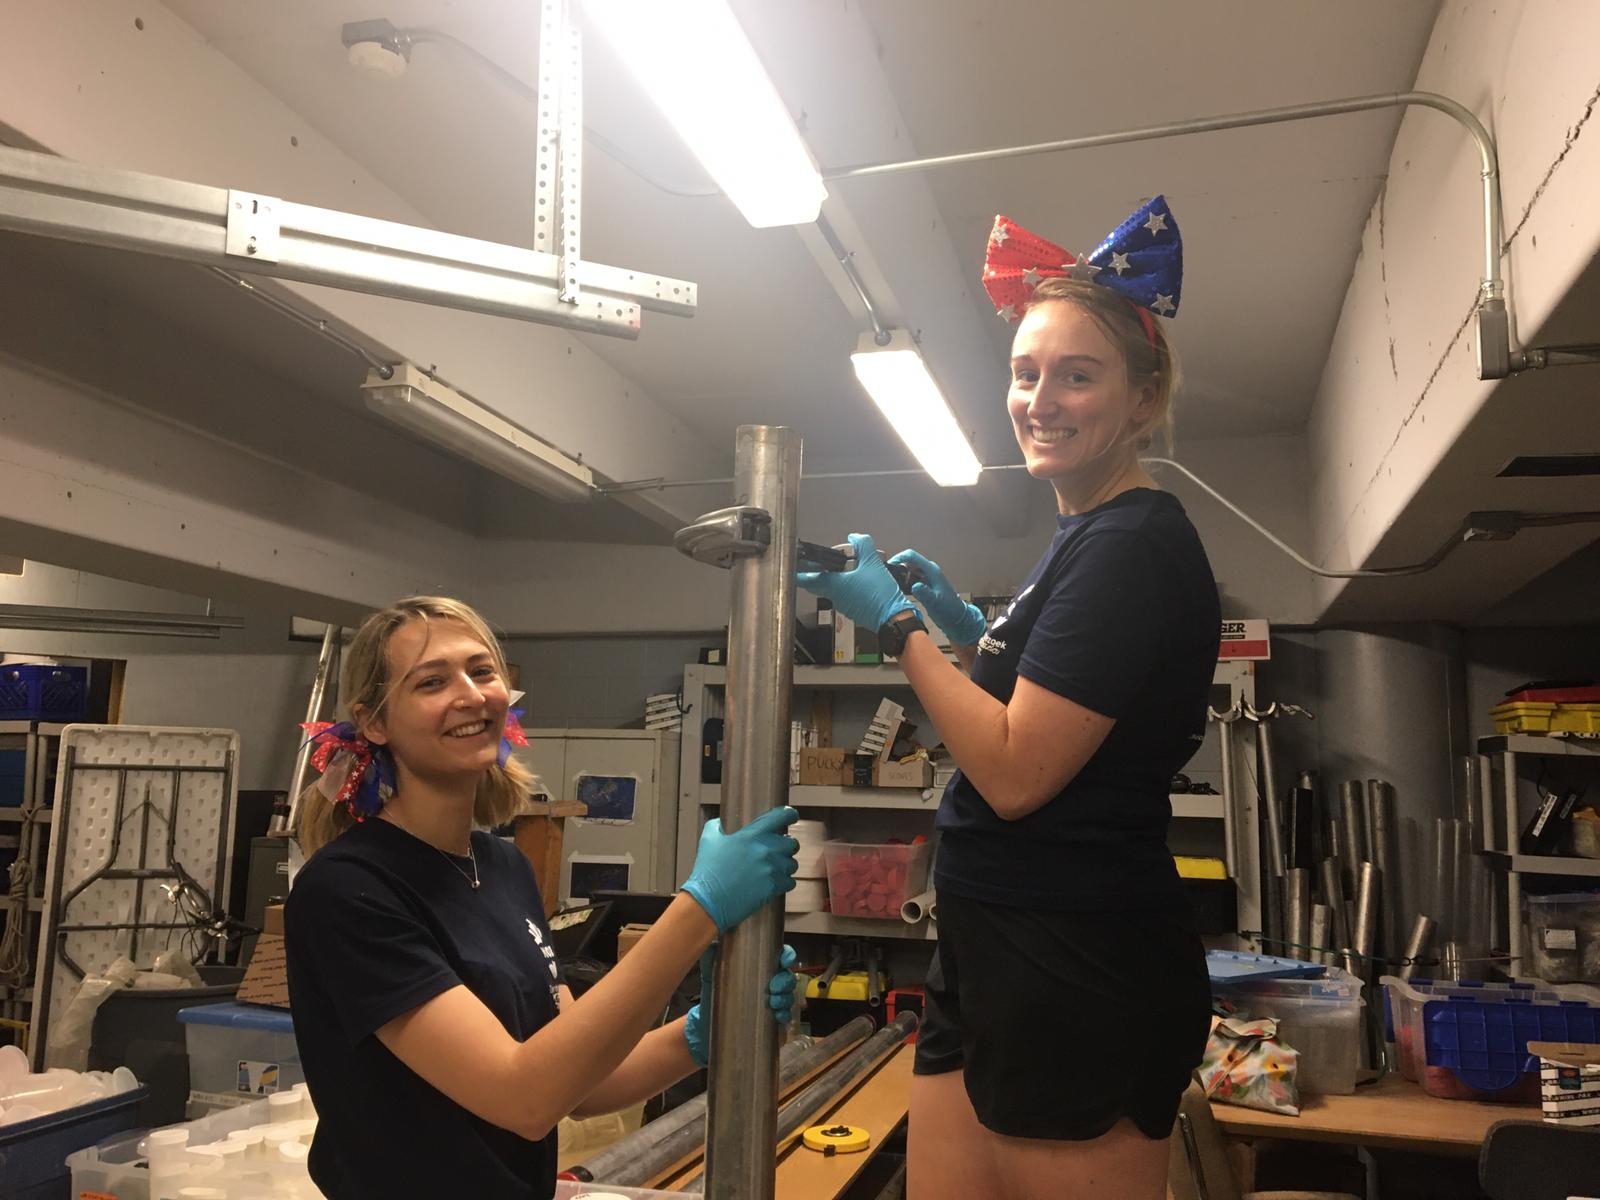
x: 692, y: 58
x: 443, y: 416
x: 899, y: 383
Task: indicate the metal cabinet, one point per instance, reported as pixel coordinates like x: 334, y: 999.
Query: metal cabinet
x: 629, y: 780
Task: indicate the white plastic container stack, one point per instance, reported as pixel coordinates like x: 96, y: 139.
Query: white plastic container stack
x: 811, y: 880
x: 253, y: 1150
x: 25, y: 1096
x: 1321, y: 1018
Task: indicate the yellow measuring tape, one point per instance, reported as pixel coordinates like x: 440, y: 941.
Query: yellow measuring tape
x: 836, y: 1139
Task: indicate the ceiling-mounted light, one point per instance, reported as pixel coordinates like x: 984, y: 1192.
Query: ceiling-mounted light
x: 441, y: 415
x: 692, y: 58
x: 89, y: 620
x: 898, y: 380
x: 376, y: 47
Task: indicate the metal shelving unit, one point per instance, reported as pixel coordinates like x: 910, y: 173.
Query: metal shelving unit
x: 697, y: 801
x: 40, y: 742
x: 1504, y: 751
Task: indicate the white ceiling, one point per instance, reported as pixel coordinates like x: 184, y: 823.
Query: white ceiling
x: 1271, y: 217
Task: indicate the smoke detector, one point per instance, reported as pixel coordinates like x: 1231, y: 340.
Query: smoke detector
x: 376, y: 48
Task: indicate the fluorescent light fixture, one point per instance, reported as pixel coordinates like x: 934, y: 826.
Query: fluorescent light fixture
x: 90, y: 620
x: 441, y: 415
x: 692, y: 58
x: 900, y: 385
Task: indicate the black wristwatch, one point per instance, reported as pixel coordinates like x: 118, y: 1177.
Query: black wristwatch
x: 892, y: 634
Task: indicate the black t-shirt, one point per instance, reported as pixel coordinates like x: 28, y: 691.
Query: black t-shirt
x: 377, y: 923
x: 1120, y: 616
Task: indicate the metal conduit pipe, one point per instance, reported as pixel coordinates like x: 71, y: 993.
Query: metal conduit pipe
x: 654, y: 1148
x: 800, y: 1110
x: 1492, y: 287
x: 743, y: 1087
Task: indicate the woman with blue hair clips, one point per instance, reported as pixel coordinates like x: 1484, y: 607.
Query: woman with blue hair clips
x: 1068, y: 1000
x: 440, y: 1045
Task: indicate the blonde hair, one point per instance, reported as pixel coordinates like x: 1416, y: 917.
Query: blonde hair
x: 365, y: 686
x: 1149, y: 357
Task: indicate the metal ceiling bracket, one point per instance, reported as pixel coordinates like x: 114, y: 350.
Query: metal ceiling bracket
x: 236, y: 230
x: 252, y: 226
x: 723, y: 537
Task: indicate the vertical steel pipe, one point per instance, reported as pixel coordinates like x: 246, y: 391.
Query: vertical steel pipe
x: 1353, y: 824
x: 1319, y: 935
x: 1230, y: 816
x: 1444, y: 879
x: 326, y: 679
x: 1417, y: 945
x: 1333, y: 893
x: 1272, y: 804
x: 1384, y: 838
x: 1297, y: 911
x: 1369, y: 895
x: 743, y: 1090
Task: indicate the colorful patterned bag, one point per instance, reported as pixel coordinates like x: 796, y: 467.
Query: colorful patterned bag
x: 1246, y: 1064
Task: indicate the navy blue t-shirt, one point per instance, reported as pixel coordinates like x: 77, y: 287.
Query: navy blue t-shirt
x: 1120, y: 616
x: 377, y: 923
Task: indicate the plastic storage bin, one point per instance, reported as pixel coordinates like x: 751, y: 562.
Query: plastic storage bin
x: 1465, y: 1041
x: 238, y: 1053
x: 33, y: 1154
x: 43, y: 692
x: 1563, y: 935
x: 566, y: 1189
x: 1321, y: 1018
x: 874, y: 881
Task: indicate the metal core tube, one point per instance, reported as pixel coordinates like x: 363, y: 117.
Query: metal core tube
x: 1297, y: 911
x: 743, y: 1090
x: 1381, y: 836
x: 1421, y: 939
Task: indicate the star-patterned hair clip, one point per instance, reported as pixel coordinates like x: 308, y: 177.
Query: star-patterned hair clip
x: 1142, y: 260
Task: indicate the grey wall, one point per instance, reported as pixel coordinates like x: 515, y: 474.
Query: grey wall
x: 598, y: 683
x: 253, y: 680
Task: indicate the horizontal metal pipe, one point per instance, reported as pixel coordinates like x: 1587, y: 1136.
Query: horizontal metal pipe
x: 653, y: 1148
x: 794, y: 1115
x: 1491, y: 286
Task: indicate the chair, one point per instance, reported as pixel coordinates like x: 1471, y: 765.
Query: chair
x: 1199, y: 1167
x: 1529, y: 1160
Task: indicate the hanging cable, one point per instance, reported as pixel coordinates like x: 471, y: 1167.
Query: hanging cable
x: 383, y: 367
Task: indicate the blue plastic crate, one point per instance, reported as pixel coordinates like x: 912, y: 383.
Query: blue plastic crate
x: 1485, y: 1042
x: 43, y: 692
x: 33, y: 1154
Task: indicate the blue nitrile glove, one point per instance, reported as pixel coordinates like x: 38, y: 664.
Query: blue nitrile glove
x: 867, y: 593
x: 780, y: 1001
x: 736, y: 874
x: 962, y: 623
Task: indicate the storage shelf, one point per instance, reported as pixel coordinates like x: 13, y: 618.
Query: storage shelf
x: 1186, y: 804
x: 22, y: 728
x: 842, y: 675
x: 806, y: 795
x: 44, y: 816
x: 821, y: 922
x: 1529, y: 743
x: 1542, y: 864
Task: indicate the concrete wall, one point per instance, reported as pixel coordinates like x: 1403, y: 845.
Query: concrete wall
x: 252, y: 679
x: 1400, y: 382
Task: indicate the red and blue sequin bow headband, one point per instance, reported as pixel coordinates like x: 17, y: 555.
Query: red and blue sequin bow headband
x: 369, y: 776
x: 1142, y: 260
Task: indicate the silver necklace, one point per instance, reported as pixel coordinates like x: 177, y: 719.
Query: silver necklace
x: 451, y: 859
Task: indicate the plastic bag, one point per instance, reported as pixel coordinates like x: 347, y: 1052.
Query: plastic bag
x: 1247, y: 1064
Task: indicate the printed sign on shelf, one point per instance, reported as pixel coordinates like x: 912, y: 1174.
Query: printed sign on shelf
x: 1245, y: 640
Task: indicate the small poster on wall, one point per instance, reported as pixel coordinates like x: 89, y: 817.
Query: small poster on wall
x: 610, y: 798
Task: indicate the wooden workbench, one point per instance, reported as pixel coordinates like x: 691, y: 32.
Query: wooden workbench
x: 878, y: 1104
x: 1393, y: 1113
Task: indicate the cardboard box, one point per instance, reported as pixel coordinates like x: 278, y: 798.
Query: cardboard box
x: 266, y: 979
x: 628, y: 937
x: 824, y: 765
x: 1569, y: 1082
x: 918, y: 773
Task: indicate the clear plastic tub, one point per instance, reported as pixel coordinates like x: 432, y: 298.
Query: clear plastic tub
x: 238, y: 1053
x: 1466, y: 1041
x: 874, y: 881
x: 1320, y: 1018
x: 566, y: 1189
x: 1563, y: 934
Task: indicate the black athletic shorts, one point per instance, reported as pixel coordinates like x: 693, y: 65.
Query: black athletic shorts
x: 1065, y: 1022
